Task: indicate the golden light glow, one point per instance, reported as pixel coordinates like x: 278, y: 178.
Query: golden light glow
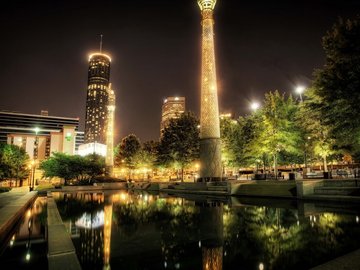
x: 99, y: 54
x: 207, y: 4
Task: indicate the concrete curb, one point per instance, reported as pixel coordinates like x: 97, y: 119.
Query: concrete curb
x: 61, y: 251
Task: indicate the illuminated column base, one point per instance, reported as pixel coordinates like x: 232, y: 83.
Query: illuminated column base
x: 210, y: 160
x: 109, y: 170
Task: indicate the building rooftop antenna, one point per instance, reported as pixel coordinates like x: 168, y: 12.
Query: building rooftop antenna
x: 101, y: 36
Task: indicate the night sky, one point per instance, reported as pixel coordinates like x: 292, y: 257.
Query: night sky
x: 155, y: 47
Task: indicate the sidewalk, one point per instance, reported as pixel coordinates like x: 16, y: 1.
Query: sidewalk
x: 12, y: 195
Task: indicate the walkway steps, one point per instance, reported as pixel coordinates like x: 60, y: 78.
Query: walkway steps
x: 61, y: 251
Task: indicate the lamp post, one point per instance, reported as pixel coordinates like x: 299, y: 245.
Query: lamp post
x: 300, y: 89
x: 255, y: 105
x: 35, y: 155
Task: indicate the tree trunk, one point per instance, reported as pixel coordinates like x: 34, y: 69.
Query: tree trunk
x: 325, y: 163
x: 275, y: 166
x: 182, y: 173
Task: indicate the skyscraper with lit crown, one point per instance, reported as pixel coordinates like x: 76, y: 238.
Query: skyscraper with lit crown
x: 97, y: 97
x: 172, y: 108
x: 210, y: 144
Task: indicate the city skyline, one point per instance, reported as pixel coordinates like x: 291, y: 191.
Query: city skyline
x: 259, y: 46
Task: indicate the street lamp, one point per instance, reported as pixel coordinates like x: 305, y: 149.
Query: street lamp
x: 35, y: 156
x: 255, y: 105
x: 300, y: 89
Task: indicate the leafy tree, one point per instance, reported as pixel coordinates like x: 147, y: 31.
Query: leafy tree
x: 228, y: 128
x: 73, y: 167
x: 179, y: 144
x: 337, y: 84
x: 317, y: 133
x: 13, y: 162
x: 146, y: 157
x: 276, y: 131
x: 128, y: 151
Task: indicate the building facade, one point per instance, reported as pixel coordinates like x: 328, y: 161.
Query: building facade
x: 40, y: 135
x: 172, y: 107
x: 97, y: 98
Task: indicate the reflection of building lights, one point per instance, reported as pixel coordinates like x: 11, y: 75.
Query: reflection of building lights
x: 261, y: 266
x: 28, y: 213
x: 27, y: 257
x: 314, y: 219
x: 357, y: 219
x: 177, y: 266
x: 199, y: 244
x: 165, y: 264
x: 298, y: 223
x: 29, y: 224
x: 91, y: 220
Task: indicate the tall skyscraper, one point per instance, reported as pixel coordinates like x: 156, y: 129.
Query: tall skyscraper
x: 210, y: 144
x: 97, y: 98
x: 172, y: 107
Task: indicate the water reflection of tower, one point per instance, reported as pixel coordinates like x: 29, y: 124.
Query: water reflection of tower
x: 211, y: 234
x: 91, y: 233
x: 91, y: 248
x: 107, y: 234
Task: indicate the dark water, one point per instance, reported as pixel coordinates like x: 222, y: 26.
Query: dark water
x: 143, y: 231
x: 26, y: 246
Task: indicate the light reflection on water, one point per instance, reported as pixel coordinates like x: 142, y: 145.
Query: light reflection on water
x: 146, y: 231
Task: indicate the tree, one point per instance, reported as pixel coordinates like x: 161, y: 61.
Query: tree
x: 13, y: 162
x: 73, y: 167
x: 146, y: 157
x: 228, y: 129
x: 337, y: 84
x: 179, y: 144
x: 276, y: 130
x: 316, y: 132
x: 127, y: 151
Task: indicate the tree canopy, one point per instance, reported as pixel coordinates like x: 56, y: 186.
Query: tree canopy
x: 14, y: 162
x: 337, y: 84
x: 73, y: 167
x: 179, y: 144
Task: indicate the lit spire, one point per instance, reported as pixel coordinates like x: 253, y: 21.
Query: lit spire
x: 101, y: 36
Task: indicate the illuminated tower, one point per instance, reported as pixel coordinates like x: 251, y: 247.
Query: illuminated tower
x: 110, y: 132
x: 210, y: 145
x: 97, y: 97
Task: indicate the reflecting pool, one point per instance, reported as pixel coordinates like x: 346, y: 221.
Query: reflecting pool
x: 150, y: 231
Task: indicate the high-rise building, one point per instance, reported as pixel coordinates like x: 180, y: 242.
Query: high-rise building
x: 40, y: 135
x: 97, y: 98
x: 210, y: 144
x: 172, y: 107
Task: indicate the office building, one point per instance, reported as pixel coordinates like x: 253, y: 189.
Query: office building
x: 40, y: 135
x: 172, y: 107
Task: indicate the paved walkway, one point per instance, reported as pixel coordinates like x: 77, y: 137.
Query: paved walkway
x: 349, y: 261
x: 12, y: 195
